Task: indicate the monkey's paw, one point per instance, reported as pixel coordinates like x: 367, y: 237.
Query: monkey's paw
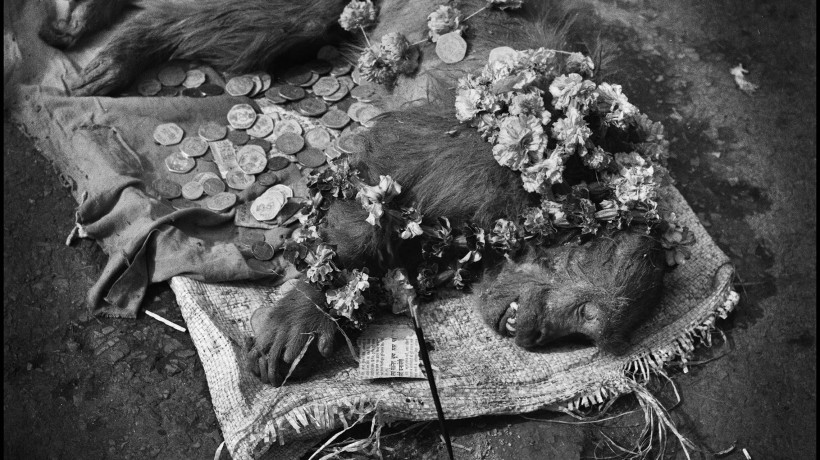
x: 281, y: 332
x: 105, y: 74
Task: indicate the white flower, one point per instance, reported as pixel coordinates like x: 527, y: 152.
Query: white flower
x: 394, y: 46
x: 443, y: 20
x: 322, y: 267
x: 530, y: 104
x: 373, y: 67
x: 357, y: 14
x: 519, y: 137
x: 578, y: 63
x: 400, y: 292
x: 572, y: 89
x: 373, y: 197
x: 620, y: 110
x: 556, y: 211
x: 467, y: 102
x: 412, y: 230
x: 539, y: 177
x: 349, y: 298
x: 506, y: 4
x: 572, y: 130
x: 305, y: 233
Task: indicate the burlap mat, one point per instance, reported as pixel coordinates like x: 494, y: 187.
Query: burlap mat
x: 479, y: 372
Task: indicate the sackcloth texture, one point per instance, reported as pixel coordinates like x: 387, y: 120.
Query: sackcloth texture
x: 103, y: 149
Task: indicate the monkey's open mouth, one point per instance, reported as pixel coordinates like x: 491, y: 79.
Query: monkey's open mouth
x: 506, y: 324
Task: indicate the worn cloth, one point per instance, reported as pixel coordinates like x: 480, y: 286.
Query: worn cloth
x: 103, y: 149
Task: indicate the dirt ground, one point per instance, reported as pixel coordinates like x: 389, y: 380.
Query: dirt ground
x: 80, y: 387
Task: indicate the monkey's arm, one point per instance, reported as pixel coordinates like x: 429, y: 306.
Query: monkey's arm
x: 231, y: 36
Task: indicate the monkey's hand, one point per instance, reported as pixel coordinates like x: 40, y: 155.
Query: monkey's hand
x: 108, y: 72
x: 282, y: 330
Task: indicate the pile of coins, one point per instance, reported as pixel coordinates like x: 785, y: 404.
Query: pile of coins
x: 174, y: 80
x: 255, y: 149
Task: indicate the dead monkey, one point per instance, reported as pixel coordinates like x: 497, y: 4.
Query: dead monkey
x: 600, y: 290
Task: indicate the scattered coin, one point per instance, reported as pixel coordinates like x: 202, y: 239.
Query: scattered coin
x: 344, y: 104
x: 502, y: 53
x: 290, y: 143
x: 284, y: 190
x: 320, y: 66
x: 328, y: 53
x: 267, y: 205
x: 367, y: 114
x: 193, y: 147
x: 192, y: 92
x: 167, y: 188
x: 149, y: 87
x: 266, y: 80
x: 277, y: 163
x: 287, y: 126
x: 451, y: 48
x: 355, y: 75
x: 311, y: 107
x: 313, y: 79
x: 326, y: 86
x: 212, y: 131
x: 335, y: 119
x: 239, y: 180
x: 318, y: 138
x: 291, y: 93
x: 310, y: 157
x: 252, y: 159
x: 222, y: 201
x: 365, y: 93
x: 239, y: 86
x: 262, y: 127
x: 168, y: 134
x: 298, y: 75
x: 353, y: 110
x: 192, y: 190
x: 210, y: 89
x: 241, y: 116
x: 266, y: 179
x: 333, y: 152
x: 262, y: 250
x: 171, y: 75
x: 272, y: 94
x: 238, y: 136
x: 213, y: 186
x: 257, y: 85
x: 338, y: 95
x: 341, y: 68
x: 261, y: 143
x: 183, y: 204
x: 168, y: 91
x: 352, y: 143
x: 194, y: 78
x: 345, y: 80
x: 201, y: 177
x: 179, y: 163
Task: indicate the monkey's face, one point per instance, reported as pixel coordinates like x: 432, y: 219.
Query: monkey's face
x: 599, y: 292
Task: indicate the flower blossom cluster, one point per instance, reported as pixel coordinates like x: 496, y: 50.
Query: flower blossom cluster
x: 443, y: 20
x: 345, y: 301
x: 392, y: 57
x: 358, y: 14
x: 374, y: 197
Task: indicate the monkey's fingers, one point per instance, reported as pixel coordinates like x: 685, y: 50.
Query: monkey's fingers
x: 327, y: 337
x: 100, y: 77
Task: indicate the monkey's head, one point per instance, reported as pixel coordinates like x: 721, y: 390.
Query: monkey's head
x: 601, y: 291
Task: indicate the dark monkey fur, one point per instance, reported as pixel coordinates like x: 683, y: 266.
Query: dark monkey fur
x: 600, y: 290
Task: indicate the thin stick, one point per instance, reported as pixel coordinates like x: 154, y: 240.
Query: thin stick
x: 482, y: 9
x: 420, y: 42
x: 425, y: 358
x: 163, y: 320
x: 365, y: 37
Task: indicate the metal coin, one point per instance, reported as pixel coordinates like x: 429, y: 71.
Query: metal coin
x: 201, y: 177
x: 320, y: 66
x: 261, y: 143
x: 367, y: 114
x: 345, y: 104
x: 184, y: 204
x: 356, y: 76
x: 278, y: 163
x: 262, y: 250
x: 192, y: 190
x: 345, y: 80
x: 267, y: 205
x: 328, y: 53
x: 257, y: 85
x: 365, y: 93
x: 313, y: 79
x: 222, y: 201
x: 167, y: 189
x: 451, y: 48
x: 326, y: 86
x: 168, y: 91
x: 352, y: 143
x: 341, y: 68
x: 210, y: 89
x: 262, y: 127
x: 241, y: 116
x: 289, y: 143
x: 149, y: 87
x: 335, y: 119
x: 298, y: 75
x: 353, y: 110
x: 168, y: 134
x: 287, y: 126
x: 239, y: 180
x: 284, y: 190
x: 239, y: 86
x: 192, y: 92
x: 311, y: 107
x: 238, y: 136
x: 213, y: 186
x: 193, y: 147
x: 318, y: 138
x: 171, y: 75
x: 502, y: 53
x: 194, y: 78
x: 338, y: 95
x: 291, y: 93
x: 267, y: 179
x: 310, y: 157
x: 179, y: 163
x: 212, y: 131
x: 252, y: 159
x: 333, y: 152
x: 272, y: 94
x: 266, y: 80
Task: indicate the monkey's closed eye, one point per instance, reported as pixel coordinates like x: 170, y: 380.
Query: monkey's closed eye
x: 587, y: 312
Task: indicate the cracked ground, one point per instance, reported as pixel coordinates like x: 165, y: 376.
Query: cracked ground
x: 75, y: 386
